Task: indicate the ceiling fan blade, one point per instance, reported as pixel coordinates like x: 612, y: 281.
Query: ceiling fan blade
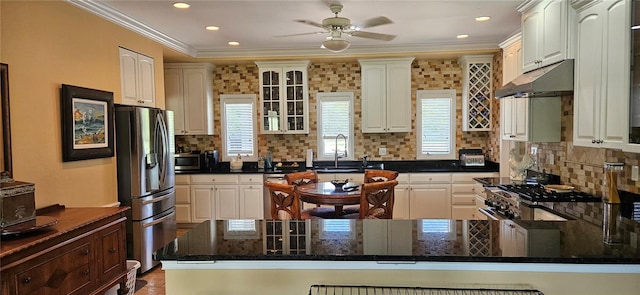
x: 377, y: 36
x: 373, y: 22
x: 301, y: 34
x: 309, y: 22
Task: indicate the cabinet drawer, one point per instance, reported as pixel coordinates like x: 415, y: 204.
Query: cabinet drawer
x: 463, y: 188
x: 430, y: 178
x: 250, y: 178
x: 183, y: 179
x: 214, y: 179
x: 468, y: 177
x: 403, y: 178
x: 66, y: 273
x: 463, y: 199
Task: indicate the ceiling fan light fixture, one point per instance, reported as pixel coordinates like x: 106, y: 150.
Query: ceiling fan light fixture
x: 336, y: 44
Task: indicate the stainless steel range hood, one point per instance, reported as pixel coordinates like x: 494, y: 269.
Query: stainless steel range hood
x: 552, y: 80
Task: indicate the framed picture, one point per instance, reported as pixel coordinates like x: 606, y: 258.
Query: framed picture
x: 87, y: 123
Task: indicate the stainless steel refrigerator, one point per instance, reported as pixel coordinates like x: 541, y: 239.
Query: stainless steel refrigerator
x: 146, y: 180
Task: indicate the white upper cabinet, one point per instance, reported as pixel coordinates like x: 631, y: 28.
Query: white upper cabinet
x: 544, y: 33
x: 476, y: 92
x: 511, y: 58
x: 137, y: 78
x: 531, y: 119
x: 602, y: 74
x: 284, y: 97
x: 386, y: 95
x: 189, y: 94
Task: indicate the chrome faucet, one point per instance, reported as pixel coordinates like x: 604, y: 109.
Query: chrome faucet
x: 336, y: 149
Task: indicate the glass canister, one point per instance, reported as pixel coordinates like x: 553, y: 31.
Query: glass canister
x: 612, y: 178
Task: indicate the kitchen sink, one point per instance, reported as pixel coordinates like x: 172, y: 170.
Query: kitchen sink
x: 348, y: 168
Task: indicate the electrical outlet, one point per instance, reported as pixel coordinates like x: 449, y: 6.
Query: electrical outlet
x: 382, y: 151
x: 551, y: 159
x: 634, y: 172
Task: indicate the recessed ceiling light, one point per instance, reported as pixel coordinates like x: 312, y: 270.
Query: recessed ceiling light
x: 233, y: 43
x: 212, y: 28
x: 462, y: 36
x: 483, y: 18
x: 181, y: 5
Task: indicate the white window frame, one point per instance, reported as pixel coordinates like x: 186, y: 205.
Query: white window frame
x: 238, y: 98
x: 432, y: 94
x: 448, y: 228
x: 335, y: 96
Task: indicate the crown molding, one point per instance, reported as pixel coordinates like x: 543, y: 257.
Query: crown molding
x: 110, y: 14
x: 123, y: 20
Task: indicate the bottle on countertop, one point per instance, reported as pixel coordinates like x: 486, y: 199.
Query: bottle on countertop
x: 268, y: 163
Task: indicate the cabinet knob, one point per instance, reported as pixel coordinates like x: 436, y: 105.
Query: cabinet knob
x: 512, y: 136
x: 593, y: 141
x: 85, y: 252
x: 86, y: 272
x: 26, y: 280
x: 112, y: 250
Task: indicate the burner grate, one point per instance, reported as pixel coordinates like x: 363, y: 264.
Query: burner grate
x: 537, y: 193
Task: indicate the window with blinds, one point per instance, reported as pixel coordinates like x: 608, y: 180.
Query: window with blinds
x: 436, y: 124
x: 335, y: 116
x: 238, y: 126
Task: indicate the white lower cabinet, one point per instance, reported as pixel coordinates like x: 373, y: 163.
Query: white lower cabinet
x: 202, y: 205
x: 224, y: 196
x: 429, y: 195
x: 430, y: 201
x: 463, y: 195
x: 183, y: 199
x: 251, y: 196
x: 517, y: 241
x: 227, y: 201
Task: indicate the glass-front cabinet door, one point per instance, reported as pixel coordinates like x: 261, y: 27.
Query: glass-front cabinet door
x: 284, y: 97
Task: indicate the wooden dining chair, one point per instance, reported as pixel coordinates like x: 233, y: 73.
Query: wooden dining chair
x: 376, y: 200
x: 375, y: 175
x: 301, y: 178
x: 306, y: 177
x: 285, y: 202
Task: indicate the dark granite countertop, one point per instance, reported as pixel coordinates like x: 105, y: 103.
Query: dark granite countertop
x: 356, y: 167
x: 578, y: 241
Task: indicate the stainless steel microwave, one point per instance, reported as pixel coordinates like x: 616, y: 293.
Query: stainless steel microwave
x: 188, y: 162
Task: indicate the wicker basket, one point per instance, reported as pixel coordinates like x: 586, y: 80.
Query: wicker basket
x: 132, y: 266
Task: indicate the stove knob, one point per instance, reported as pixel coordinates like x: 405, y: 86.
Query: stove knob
x: 515, y: 215
x: 488, y: 203
x: 503, y: 207
x: 510, y: 214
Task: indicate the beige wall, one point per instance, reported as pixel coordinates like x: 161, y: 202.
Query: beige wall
x: 46, y: 44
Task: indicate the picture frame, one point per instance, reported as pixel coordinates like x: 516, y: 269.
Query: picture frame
x: 87, y: 123
x: 5, y: 147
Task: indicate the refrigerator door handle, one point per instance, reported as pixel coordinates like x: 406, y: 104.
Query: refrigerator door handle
x: 158, y: 221
x: 164, y: 146
x: 158, y: 199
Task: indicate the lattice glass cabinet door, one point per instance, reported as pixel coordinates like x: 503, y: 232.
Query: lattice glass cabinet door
x: 476, y: 92
x: 284, y: 96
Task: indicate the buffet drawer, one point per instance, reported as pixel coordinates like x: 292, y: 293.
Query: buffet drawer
x: 214, y: 179
x: 63, y: 271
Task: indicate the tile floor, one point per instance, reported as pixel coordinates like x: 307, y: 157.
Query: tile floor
x: 154, y: 278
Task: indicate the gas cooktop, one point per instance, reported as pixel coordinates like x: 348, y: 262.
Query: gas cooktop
x: 537, y: 193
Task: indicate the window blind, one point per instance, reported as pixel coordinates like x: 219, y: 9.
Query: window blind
x: 436, y: 125
x: 239, y: 128
x: 241, y: 225
x: 335, y: 120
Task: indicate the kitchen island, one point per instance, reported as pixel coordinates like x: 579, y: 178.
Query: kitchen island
x: 287, y: 257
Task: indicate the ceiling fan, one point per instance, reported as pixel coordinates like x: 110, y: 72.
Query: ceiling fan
x: 336, y: 26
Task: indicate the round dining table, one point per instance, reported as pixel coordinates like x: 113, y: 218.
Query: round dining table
x: 325, y: 193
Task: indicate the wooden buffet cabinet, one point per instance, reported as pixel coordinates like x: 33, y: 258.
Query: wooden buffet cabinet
x: 84, y: 253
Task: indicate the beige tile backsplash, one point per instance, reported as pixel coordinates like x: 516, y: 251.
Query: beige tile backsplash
x: 579, y: 166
